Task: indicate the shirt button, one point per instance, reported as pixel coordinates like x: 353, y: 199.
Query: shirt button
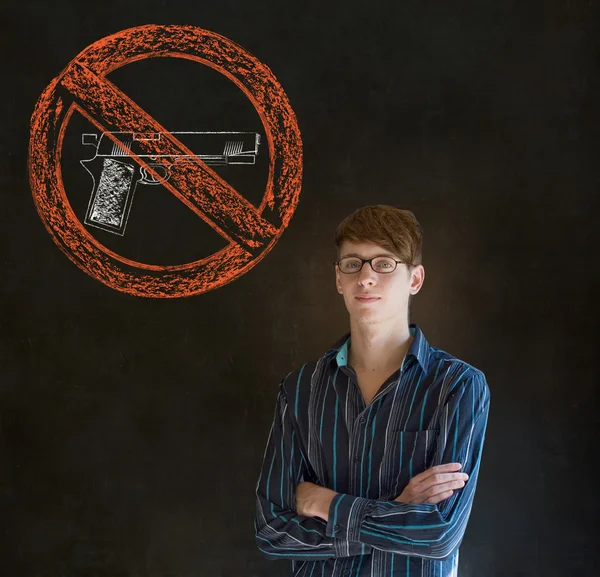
x: 357, y: 460
x: 346, y: 571
x: 337, y: 527
x: 363, y: 420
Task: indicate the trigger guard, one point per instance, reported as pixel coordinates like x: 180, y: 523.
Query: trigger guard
x: 149, y: 179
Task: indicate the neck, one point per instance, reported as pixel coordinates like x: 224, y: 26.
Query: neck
x: 378, y: 347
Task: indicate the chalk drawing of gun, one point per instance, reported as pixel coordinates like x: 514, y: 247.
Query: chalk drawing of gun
x: 116, y: 174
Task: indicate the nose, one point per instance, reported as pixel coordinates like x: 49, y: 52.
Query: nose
x: 367, y: 275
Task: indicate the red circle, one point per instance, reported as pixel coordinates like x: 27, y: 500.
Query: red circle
x: 51, y: 116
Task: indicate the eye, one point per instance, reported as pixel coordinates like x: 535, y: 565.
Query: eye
x: 385, y: 265
x: 350, y: 264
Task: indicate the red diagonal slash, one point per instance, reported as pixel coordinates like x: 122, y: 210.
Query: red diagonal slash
x: 195, y: 184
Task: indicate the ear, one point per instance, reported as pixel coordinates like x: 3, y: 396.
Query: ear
x: 338, y: 283
x: 417, y: 278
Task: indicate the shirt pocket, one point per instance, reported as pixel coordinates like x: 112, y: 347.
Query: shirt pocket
x: 410, y: 453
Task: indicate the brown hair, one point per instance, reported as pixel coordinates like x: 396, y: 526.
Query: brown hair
x: 394, y: 229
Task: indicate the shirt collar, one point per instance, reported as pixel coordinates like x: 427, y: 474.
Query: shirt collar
x: 419, y: 348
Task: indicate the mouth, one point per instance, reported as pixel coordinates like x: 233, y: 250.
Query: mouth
x: 367, y: 298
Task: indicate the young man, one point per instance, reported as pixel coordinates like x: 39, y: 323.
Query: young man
x: 372, y: 460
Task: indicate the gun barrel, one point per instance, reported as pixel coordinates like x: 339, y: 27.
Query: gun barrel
x: 214, y: 148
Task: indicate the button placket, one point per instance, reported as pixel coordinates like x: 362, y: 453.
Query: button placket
x: 355, y: 458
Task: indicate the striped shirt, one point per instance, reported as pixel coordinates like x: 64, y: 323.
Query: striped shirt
x: 432, y: 411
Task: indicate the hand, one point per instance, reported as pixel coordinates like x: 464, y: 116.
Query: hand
x: 313, y: 500
x: 433, y: 485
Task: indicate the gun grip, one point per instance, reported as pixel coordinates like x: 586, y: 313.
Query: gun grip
x: 112, y: 196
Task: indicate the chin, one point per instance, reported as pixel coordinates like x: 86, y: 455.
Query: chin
x: 367, y: 317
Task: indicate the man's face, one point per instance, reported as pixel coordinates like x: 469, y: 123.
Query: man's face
x: 389, y: 292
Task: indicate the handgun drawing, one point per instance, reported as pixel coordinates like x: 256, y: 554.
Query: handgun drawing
x: 114, y: 171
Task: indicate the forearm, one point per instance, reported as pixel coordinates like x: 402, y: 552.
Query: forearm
x: 410, y: 529
x: 284, y: 534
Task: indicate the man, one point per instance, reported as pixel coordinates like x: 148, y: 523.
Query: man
x: 372, y: 460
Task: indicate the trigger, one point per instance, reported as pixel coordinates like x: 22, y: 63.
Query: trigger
x: 148, y: 178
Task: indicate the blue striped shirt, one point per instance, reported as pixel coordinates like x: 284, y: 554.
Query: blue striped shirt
x: 432, y: 411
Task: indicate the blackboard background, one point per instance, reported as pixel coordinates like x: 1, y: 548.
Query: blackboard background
x: 132, y: 430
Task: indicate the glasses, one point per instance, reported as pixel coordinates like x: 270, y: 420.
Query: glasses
x: 380, y: 264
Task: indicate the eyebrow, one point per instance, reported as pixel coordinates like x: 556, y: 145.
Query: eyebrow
x: 374, y: 256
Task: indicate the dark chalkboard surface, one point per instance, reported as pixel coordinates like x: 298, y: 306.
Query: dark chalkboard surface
x: 133, y: 429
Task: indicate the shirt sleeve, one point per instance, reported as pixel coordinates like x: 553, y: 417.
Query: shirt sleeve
x: 279, y: 531
x: 425, y: 530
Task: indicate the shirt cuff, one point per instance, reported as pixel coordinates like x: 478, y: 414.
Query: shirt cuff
x: 345, y: 548
x: 346, y: 514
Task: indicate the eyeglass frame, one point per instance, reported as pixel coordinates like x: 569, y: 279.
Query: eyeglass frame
x: 370, y: 261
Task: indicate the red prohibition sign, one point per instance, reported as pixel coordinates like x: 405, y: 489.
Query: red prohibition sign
x: 83, y: 86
